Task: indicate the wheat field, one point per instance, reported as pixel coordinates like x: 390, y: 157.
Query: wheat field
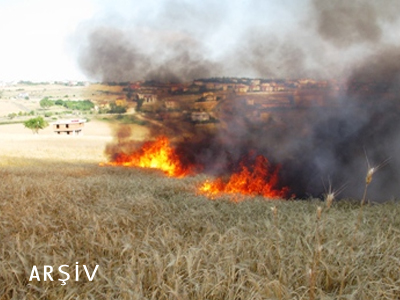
x: 154, y: 238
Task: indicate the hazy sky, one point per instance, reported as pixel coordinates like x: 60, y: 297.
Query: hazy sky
x: 167, y: 39
x: 35, y: 35
x: 39, y: 37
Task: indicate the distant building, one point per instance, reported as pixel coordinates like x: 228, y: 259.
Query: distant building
x: 220, y: 86
x: 198, y: 82
x: 267, y: 87
x: 147, y: 98
x: 69, y: 127
x: 255, y: 88
x: 23, y: 96
x: 200, y: 116
x: 171, y: 104
x: 210, y: 85
x: 241, y: 88
x: 209, y: 97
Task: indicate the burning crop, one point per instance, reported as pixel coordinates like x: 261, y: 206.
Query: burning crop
x: 256, y: 178
x: 260, y: 179
x: 156, y: 154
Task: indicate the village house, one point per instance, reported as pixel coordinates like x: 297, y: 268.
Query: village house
x: 69, y: 127
x: 221, y: 87
x: 266, y: 87
x: 241, y: 88
x: 171, y: 104
x: 210, y: 86
x: 134, y: 86
x: 255, y: 88
x: 120, y: 101
x: 198, y: 82
x: 23, y: 96
x: 280, y: 87
x: 209, y: 97
x: 200, y: 116
x: 147, y: 98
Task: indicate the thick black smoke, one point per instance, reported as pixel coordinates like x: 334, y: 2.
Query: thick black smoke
x: 113, y: 55
x: 314, y: 146
x: 347, y: 40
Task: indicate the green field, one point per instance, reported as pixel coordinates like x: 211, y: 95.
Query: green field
x: 154, y: 238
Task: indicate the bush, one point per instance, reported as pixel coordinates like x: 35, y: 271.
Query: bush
x: 11, y: 116
x: 116, y: 109
x: 59, y: 102
x: 46, y: 103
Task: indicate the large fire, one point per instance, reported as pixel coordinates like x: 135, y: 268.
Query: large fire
x: 156, y: 154
x: 258, y: 180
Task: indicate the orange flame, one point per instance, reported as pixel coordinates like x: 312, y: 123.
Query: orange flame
x: 156, y: 154
x: 258, y: 180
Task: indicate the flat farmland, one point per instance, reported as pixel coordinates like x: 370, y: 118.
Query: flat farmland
x: 16, y: 141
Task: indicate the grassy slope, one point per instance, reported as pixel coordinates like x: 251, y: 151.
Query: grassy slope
x: 155, y: 239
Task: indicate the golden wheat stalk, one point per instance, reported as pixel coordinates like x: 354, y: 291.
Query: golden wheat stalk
x: 331, y: 194
x: 370, y: 173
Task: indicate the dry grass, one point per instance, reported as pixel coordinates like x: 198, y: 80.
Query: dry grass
x: 153, y: 238
x: 18, y: 142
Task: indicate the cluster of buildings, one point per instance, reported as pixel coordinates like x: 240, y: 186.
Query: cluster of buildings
x: 200, y: 97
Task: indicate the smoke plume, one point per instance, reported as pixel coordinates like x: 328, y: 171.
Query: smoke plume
x: 345, y: 23
x: 351, y: 41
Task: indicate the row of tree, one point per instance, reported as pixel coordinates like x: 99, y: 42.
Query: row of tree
x: 69, y: 104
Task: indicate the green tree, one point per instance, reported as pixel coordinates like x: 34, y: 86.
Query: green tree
x: 59, y: 102
x: 11, y: 116
x: 139, y: 104
x: 46, y: 102
x: 35, y: 124
x: 116, y: 109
